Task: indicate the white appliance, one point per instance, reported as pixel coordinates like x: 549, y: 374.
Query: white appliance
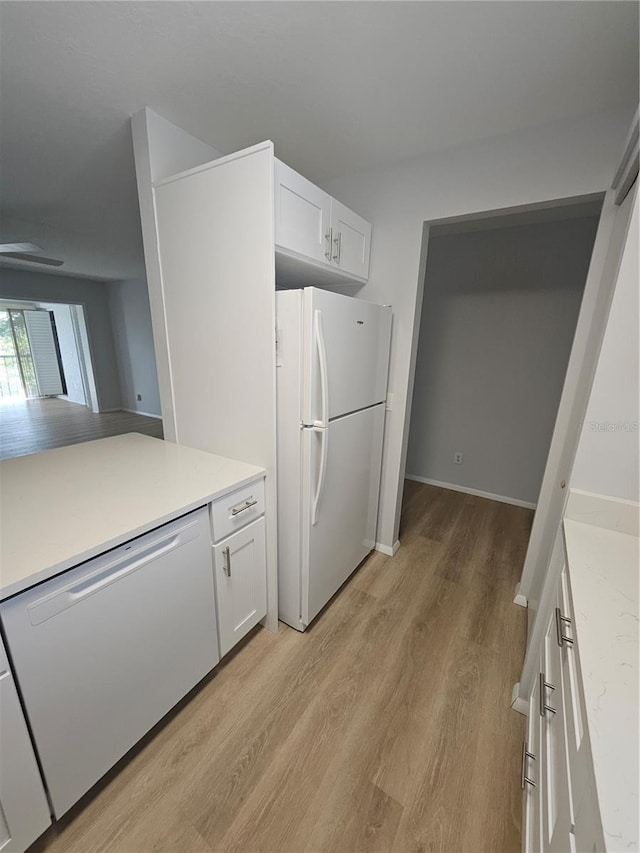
x: 332, y: 364
x: 103, y: 651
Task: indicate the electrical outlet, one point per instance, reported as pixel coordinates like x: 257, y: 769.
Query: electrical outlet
x: 139, y: 397
x: 458, y: 457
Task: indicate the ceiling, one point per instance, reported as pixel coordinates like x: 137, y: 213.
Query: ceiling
x: 338, y: 87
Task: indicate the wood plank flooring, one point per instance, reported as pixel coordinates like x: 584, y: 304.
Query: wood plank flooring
x: 28, y: 426
x: 385, y: 727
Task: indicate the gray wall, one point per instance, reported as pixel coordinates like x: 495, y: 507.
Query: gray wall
x: 93, y: 296
x: 498, y: 318
x: 133, y: 336
x: 571, y: 158
x: 68, y: 352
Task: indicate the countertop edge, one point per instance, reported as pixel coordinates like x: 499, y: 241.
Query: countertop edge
x: 102, y: 547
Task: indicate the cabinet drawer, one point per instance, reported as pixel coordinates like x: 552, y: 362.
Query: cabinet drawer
x: 237, y: 509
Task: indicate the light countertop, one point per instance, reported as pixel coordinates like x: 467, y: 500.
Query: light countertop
x: 603, y: 571
x: 63, y: 506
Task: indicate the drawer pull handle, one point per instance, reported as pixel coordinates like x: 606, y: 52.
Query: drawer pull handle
x: 562, y: 638
x: 545, y: 685
x: 524, y: 779
x: 241, y: 507
x: 226, y: 561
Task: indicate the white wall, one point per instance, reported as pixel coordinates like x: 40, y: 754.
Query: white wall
x: 133, y: 338
x: 567, y: 159
x: 499, y: 312
x: 93, y: 296
x: 160, y: 149
x: 607, y: 461
x: 68, y: 352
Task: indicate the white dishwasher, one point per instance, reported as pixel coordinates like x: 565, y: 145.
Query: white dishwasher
x: 103, y: 651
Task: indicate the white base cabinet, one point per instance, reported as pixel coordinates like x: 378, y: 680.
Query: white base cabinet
x: 240, y: 578
x: 239, y: 562
x: 24, y: 811
x: 559, y: 800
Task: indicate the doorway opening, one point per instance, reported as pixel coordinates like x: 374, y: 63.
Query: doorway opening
x: 502, y: 295
x: 17, y: 373
x: 44, y: 352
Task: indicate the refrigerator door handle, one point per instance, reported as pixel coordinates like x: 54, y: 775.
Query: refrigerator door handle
x: 322, y: 363
x: 324, y: 438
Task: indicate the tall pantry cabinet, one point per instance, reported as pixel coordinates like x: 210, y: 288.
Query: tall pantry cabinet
x: 215, y: 244
x: 226, y: 232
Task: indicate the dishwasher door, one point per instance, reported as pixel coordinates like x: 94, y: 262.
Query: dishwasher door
x: 103, y: 651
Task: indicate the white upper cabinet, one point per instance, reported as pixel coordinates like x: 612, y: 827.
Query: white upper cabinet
x: 319, y: 229
x: 303, y: 215
x: 351, y: 240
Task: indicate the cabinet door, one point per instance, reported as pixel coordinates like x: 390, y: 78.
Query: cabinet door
x: 556, y: 799
x: 24, y: 812
x: 241, y: 583
x: 351, y: 240
x: 302, y: 215
x: 532, y: 777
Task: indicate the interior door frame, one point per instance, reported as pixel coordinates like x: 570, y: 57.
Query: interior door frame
x: 82, y: 337
x: 609, y: 244
x: 428, y: 227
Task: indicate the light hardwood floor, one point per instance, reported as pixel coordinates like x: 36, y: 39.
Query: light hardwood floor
x: 385, y: 727
x: 28, y: 426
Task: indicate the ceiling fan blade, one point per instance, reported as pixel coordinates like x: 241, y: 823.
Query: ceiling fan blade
x: 11, y: 248
x: 33, y: 259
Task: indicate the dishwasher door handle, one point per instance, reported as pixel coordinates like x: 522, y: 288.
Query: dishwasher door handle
x: 121, y: 567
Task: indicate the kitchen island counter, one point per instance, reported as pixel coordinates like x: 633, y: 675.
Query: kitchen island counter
x: 61, y: 507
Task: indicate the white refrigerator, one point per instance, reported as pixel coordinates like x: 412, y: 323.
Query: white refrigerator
x: 332, y: 361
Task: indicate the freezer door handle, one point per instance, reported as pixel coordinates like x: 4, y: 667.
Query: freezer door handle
x: 50, y: 605
x: 324, y: 444
x: 322, y: 364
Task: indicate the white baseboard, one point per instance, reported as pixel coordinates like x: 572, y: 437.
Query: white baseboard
x: 517, y: 702
x: 136, y: 412
x: 469, y: 491
x: 384, y: 549
x: 519, y: 598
